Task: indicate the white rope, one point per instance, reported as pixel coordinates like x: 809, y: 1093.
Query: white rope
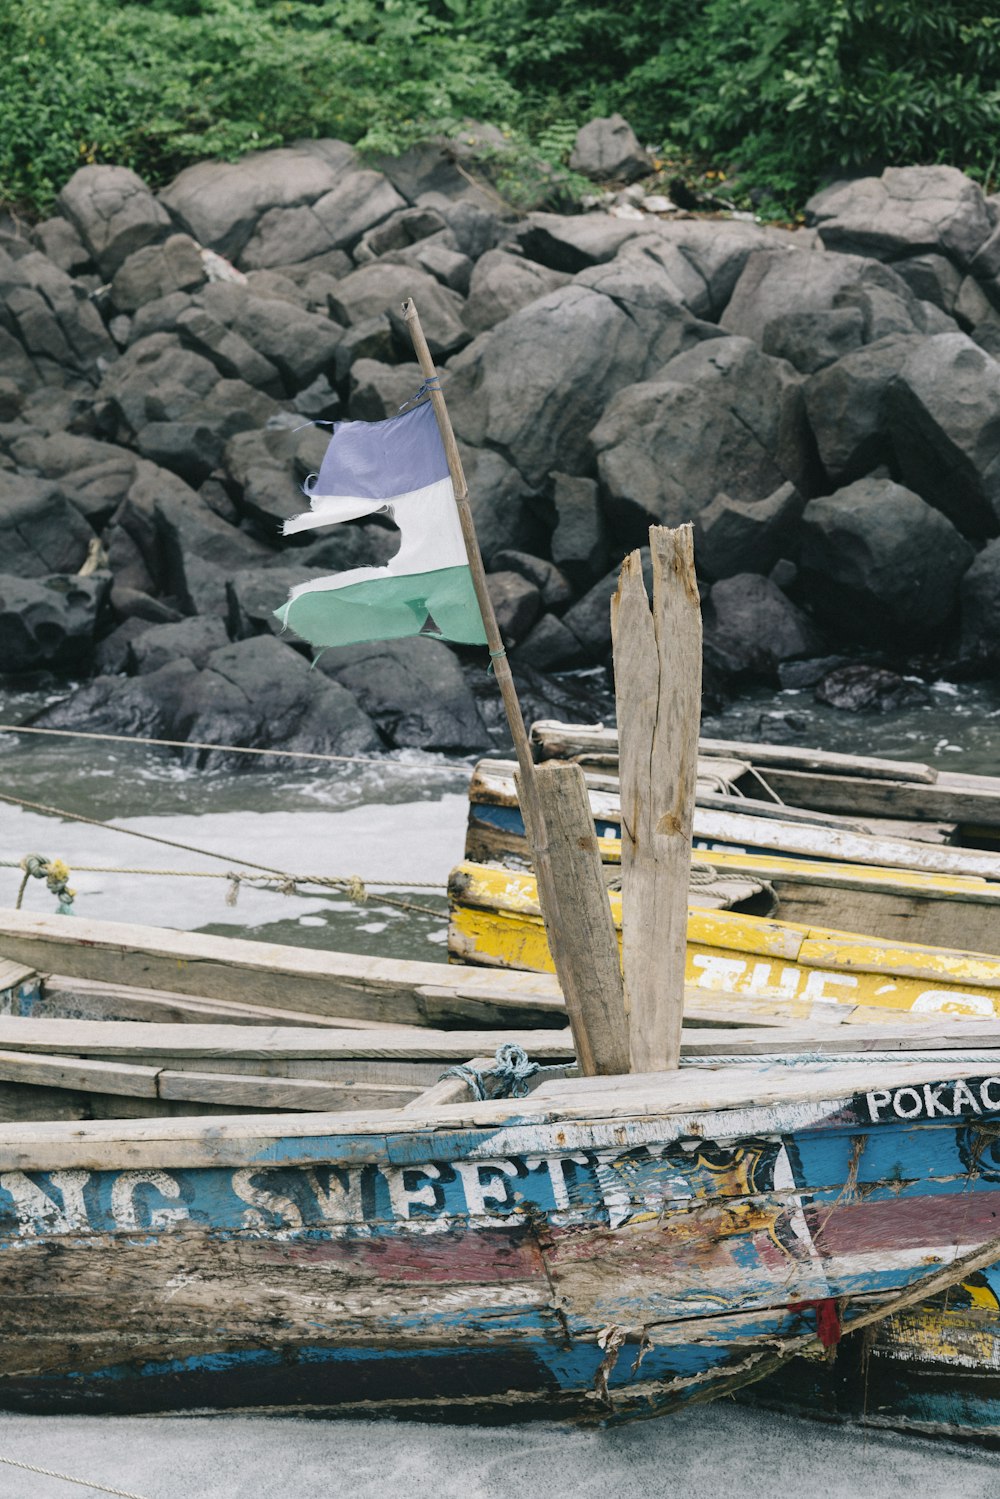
x: 85, y: 1483
x: 234, y: 749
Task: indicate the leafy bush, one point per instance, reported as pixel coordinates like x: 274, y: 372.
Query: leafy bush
x: 787, y: 90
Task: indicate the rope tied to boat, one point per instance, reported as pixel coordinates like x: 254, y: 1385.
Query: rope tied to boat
x: 55, y: 873
x: 509, y: 1076
x: 84, y: 1483
x: 352, y: 885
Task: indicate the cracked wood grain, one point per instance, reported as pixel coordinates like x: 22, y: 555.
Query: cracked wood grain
x: 657, y: 656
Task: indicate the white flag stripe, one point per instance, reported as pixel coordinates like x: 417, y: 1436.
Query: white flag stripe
x: 329, y: 510
x: 431, y: 540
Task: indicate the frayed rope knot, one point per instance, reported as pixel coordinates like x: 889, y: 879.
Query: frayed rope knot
x: 508, y: 1077
x: 55, y: 873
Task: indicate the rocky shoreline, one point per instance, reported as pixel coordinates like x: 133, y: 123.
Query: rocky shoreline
x: 823, y: 403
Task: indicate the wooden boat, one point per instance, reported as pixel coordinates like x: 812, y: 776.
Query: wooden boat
x: 603, y: 1248
x: 818, y: 869
x: 495, y: 921
x: 962, y: 807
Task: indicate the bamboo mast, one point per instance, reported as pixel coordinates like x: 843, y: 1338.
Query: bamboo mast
x: 557, y: 815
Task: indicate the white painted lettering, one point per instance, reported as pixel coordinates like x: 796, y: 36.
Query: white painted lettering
x: 339, y: 1201
x: 915, y: 1107
x: 718, y: 973
x: 989, y: 1083
x: 760, y: 979
x: 480, y: 1189
x: 816, y: 982
x: 953, y: 1002
x: 880, y: 1098
x: 964, y: 1098
x: 932, y: 1100
x: 38, y: 1213
x: 263, y: 1201
x: 556, y: 1165
x: 125, y: 1208
x: 405, y: 1192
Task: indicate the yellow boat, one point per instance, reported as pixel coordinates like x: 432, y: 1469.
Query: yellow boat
x: 495, y: 921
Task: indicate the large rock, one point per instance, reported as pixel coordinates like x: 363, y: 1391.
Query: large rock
x: 747, y: 536
x: 156, y: 271
x: 932, y: 278
x: 722, y: 417
x: 94, y: 476
x: 336, y: 221
x: 405, y: 227
x: 232, y: 355
x: 256, y: 693
x: 192, y: 640
x: 943, y: 413
x: 220, y: 202
x: 608, y: 149
x: 579, y: 541
x: 254, y: 595
x: 114, y: 213
x: 847, y: 408
x: 52, y: 320
x: 301, y: 345
x: 375, y: 289
x: 507, y: 512
x: 980, y: 608
x: 413, y: 689
x: 751, y: 627
x: 50, y: 622
x: 572, y: 243
x: 906, y: 211
x: 774, y: 284
x: 533, y: 387
x: 502, y: 284
x: 589, y: 619
x: 715, y: 253
x: 812, y: 340
x: 877, y: 562
x: 860, y: 688
x: 40, y: 531
x: 517, y: 603
x: 378, y: 390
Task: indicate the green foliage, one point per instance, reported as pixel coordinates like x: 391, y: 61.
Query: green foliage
x: 784, y: 91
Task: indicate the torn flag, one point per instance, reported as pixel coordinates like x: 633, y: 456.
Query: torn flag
x: 396, y: 468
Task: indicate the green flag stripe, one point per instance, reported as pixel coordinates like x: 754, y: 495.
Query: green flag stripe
x: 388, y: 608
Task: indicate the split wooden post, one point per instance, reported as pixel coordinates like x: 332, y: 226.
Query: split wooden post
x: 585, y: 951
x: 657, y: 657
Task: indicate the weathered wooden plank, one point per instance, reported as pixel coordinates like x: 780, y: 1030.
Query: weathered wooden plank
x: 79, y: 1072
x: 445, y: 1090
x: 857, y: 796
x: 226, y: 1088
x: 70, y: 997
x: 552, y: 739
x: 234, y: 969
x: 657, y: 656
x: 581, y: 932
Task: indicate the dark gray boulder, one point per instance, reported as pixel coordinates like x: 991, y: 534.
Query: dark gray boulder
x: 378, y: 390
x: 93, y: 476
x: 253, y: 596
x: 232, y: 355
x: 589, y: 619
x: 401, y: 229
x: 775, y: 283
x: 812, y: 340
x: 714, y: 252
x: 132, y: 604
x: 534, y: 386
x: 550, y: 646
x: 517, y: 603
x: 220, y: 202
x: 572, y: 243
x: 192, y: 640
x: 722, y: 417
x: 907, y: 211
x: 53, y: 320
x: 579, y: 541
x: 503, y: 283
x: 199, y: 551
x: 414, y: 690
x: 373, y: 338
x: 299, y: 344
x: 156, y: 271
x: 439, y: 258
x: 377, y: 289
x: 473, y: 220
x: 546, y: 577
x: 877, y: 562
x: 60, y: 243
x: 608, y: 150
x: 50, y: 622
x: 943, y: 411
x: 113, y: 653
x: 751, y: 627
x: 336, y: 221
x: 267, y: 467
x: 847, y: 408
x: 40, y: 531
x: 870, y: 689
x: 932, y: 278
x: 980, y: 608
x: 747, y: 536
x: 506, y: 511
x: 114, y: 213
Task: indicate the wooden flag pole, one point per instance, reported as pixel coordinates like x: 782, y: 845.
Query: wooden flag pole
x: 557, y: 816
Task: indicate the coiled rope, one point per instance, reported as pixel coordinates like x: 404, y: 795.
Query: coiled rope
x: 507, y: 1078
x: 85, y: 1483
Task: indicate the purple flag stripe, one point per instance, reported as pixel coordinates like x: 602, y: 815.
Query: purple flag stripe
x: 378, y: 460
